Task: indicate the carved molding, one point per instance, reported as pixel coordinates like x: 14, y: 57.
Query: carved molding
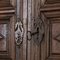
x: 57, y: 38
x: 50, y: 3
x: 7, y: 4
x: 51, y: 17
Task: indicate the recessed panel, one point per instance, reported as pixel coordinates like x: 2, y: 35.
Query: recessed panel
x: 55, y: 38
x: 3, y: 37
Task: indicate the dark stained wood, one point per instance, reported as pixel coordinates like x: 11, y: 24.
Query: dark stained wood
x: 7, y: 4
x: 50, y: 12
x: 7, y: 24
x: 32, y: 12
x: 52, y: 1
x: 7, y: 49
x: 4, y: 3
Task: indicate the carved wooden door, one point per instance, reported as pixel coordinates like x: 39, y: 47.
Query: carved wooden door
x: 45, y: 31
x: 7, y: 18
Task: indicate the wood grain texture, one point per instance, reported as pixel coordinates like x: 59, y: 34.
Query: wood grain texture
x: 50, y: 3
x: 7, y: 4
x: 7, y: 22
x: 7, y: 51
x: 50, y: 13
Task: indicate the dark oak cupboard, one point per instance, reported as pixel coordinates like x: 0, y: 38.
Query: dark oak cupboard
x: 41, y: 24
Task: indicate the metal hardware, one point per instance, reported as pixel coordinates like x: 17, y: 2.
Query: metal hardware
x: 38, y: 30
x: 35, y: 32
x: 30, y: 34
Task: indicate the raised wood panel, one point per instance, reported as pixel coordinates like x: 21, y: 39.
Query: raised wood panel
x: 53, y: 41
x: 51, y: 47
x: 7, y: 45
x: 7, y: 24
x: 55, y: 49
x: 3, y: 36
x: 50, y: 13
x: 7, y: 4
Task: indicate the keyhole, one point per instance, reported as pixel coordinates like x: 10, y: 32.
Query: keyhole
x: 37, y: 33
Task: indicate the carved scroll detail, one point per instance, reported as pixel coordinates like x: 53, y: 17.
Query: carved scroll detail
x: 19, y: 33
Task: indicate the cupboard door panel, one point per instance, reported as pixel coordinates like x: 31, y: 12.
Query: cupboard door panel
x: 56, y: 38
x: 7, y: 45
x: 7, y: 24
x: 3, y: 36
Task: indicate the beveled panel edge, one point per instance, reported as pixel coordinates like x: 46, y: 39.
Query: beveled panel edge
x: 47, y: 17
x: 45, y: 5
